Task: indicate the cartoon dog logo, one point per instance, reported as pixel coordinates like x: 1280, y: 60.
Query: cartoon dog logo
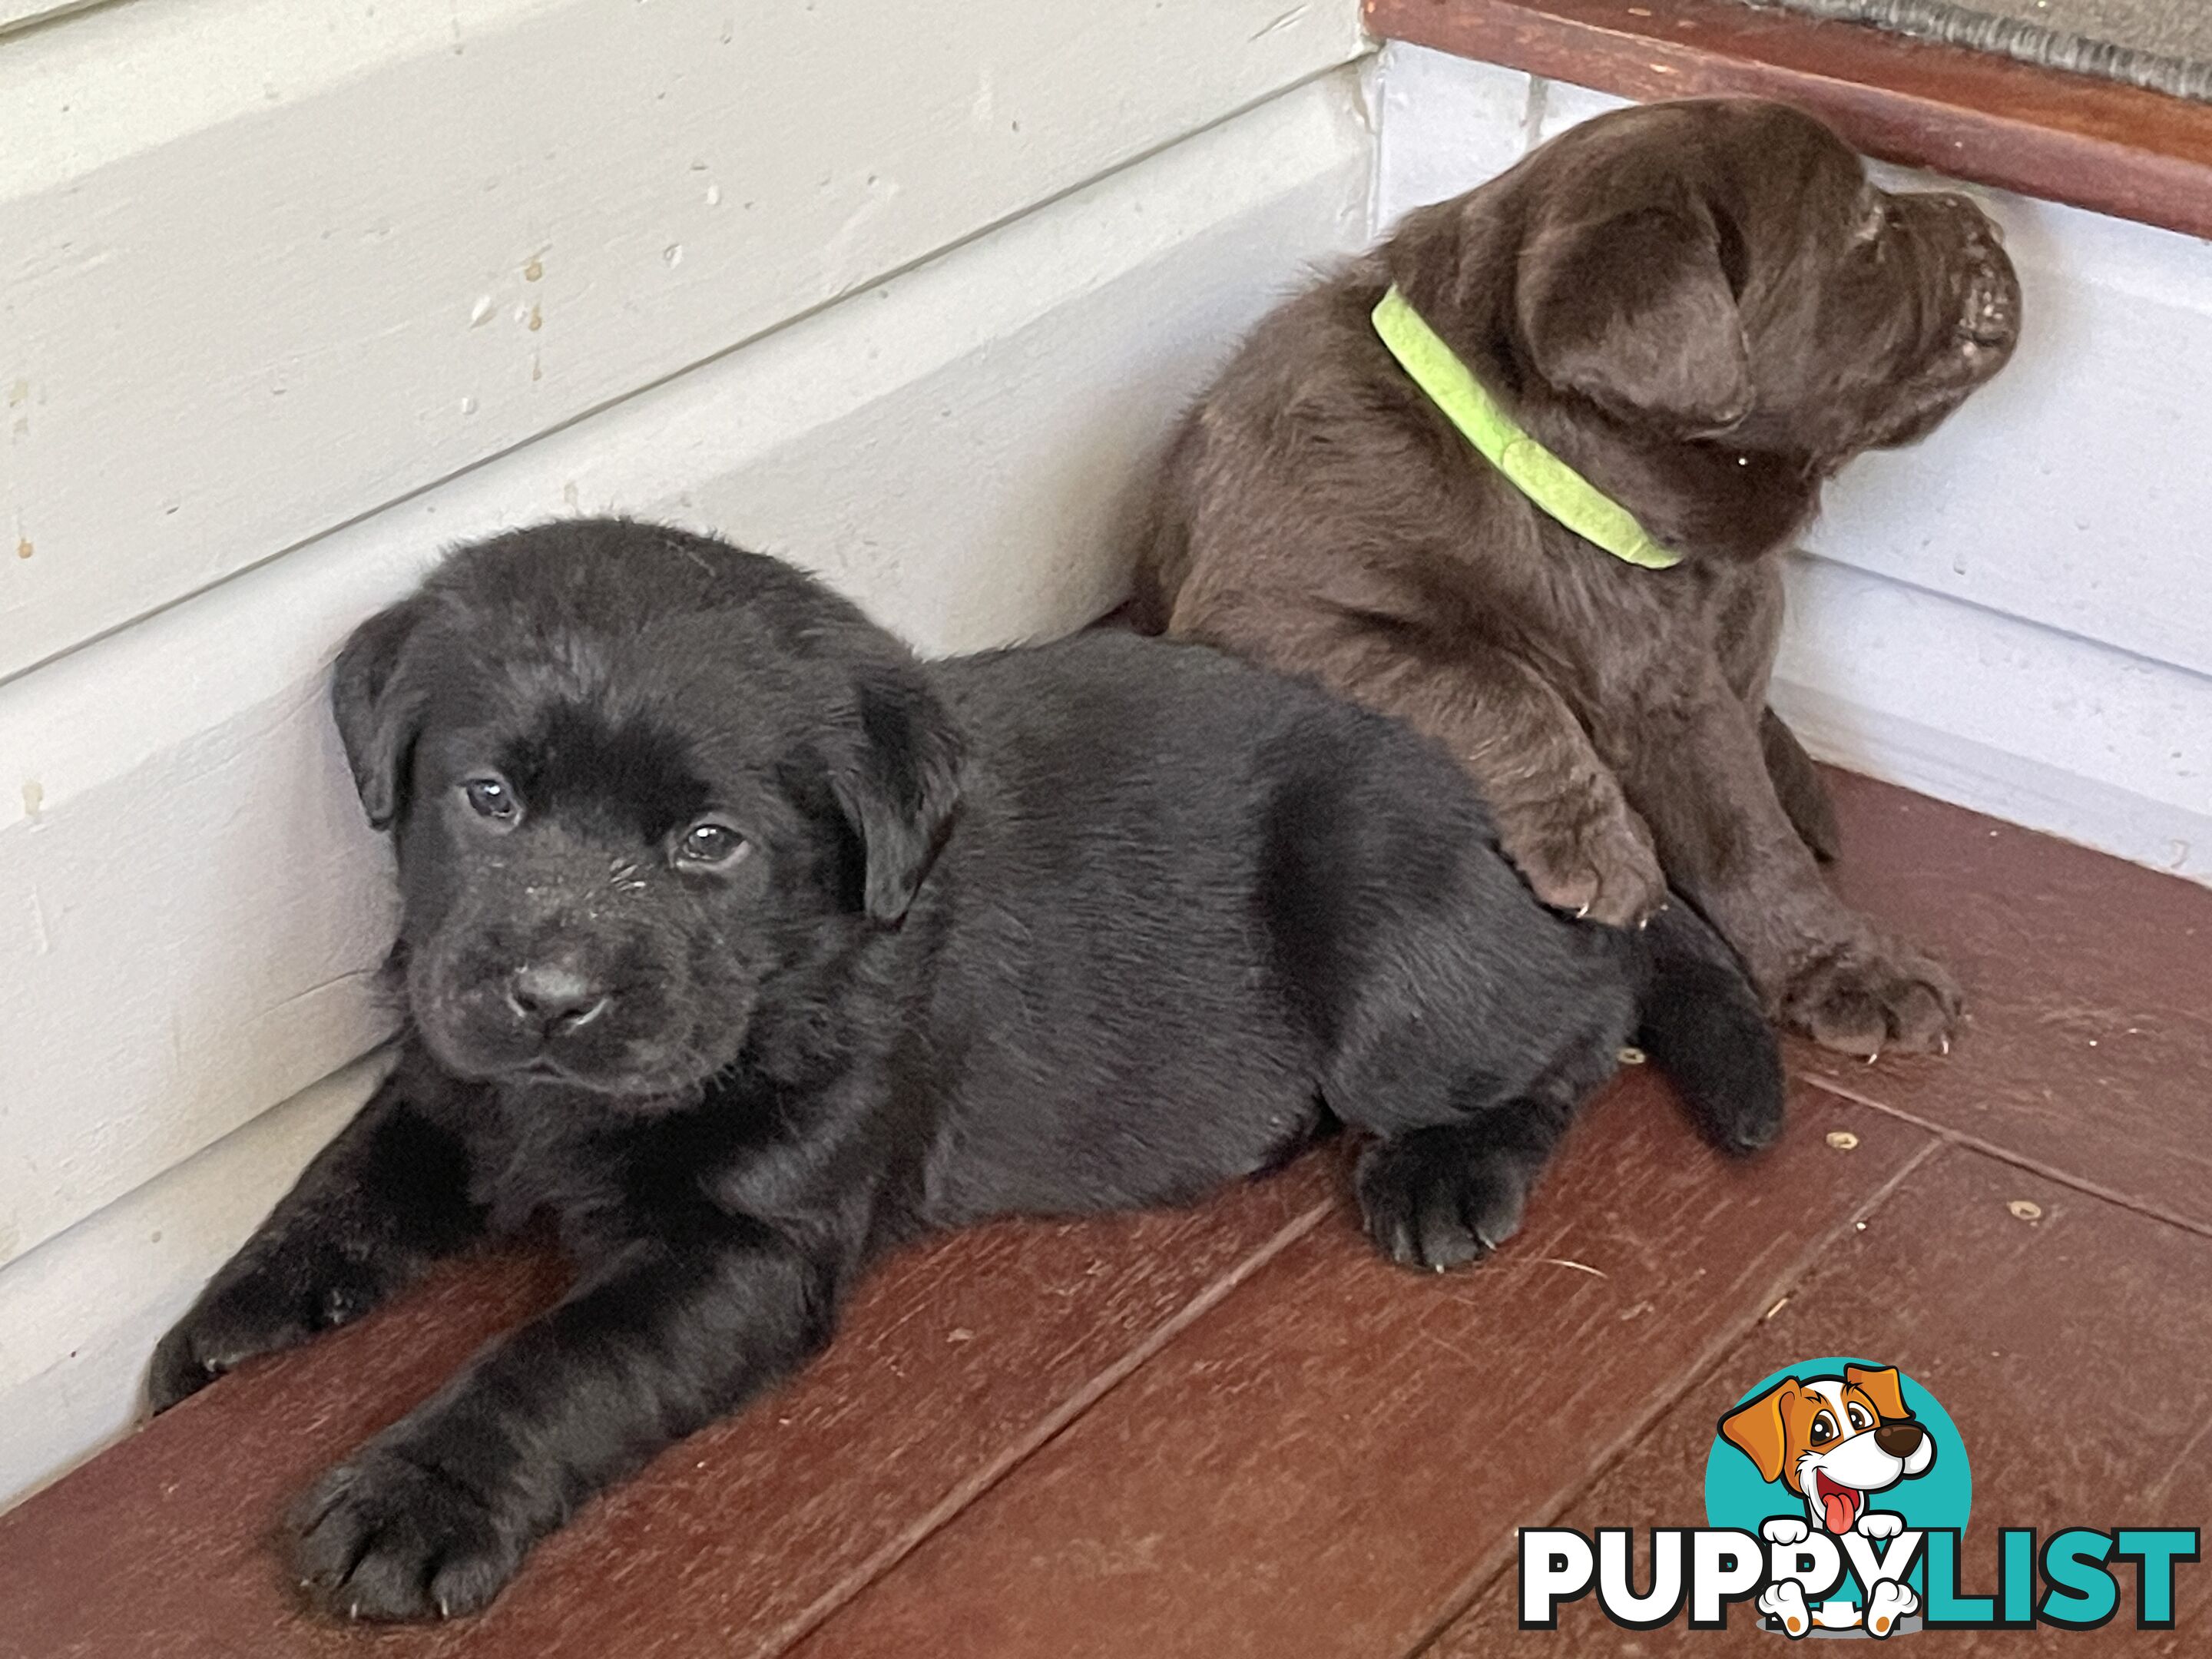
x: 1833, y: 1442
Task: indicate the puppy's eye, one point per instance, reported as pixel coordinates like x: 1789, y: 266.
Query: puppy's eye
x: 1860, y: 1416
x: 1824, y: 1429
x: 490, y: 798
x: 711, y: 844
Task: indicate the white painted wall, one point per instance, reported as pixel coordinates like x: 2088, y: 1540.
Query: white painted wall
x: 189, y: 901
x: 2012, y: 614
x: 268, y: 266
x: 79, y: 1318
x: 21, y: 14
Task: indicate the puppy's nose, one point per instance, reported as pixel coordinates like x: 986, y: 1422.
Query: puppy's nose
x: 553, y: 997
x: 1899, y: 1439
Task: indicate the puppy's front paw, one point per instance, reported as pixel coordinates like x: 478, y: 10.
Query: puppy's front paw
x: 1440, y: 1198
x: 1873, y: 995
x: 1785, y: 1603
x: 259, y: 1311
x: 1598, y: 862
x: 1785, y: 1529
x: 383, y: 1537
x: 204, y: 1344
x: 1881, y: 1523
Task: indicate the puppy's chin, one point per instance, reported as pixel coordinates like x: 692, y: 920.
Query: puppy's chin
x: 1924, y: 402
x: 644, y: 1085
x: 634, y: 1094
x: 640, y: 1074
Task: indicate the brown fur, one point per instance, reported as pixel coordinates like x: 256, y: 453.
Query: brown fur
x: 1706, y: 309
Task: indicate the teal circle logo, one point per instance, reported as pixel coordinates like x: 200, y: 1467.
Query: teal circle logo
x: 1848, y: 1449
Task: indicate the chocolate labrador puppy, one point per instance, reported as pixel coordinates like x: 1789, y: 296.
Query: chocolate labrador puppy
x: 1704, y: 309
x: 748, y: 946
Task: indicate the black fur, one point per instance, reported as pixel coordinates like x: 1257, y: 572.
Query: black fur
x: 1101, y: 924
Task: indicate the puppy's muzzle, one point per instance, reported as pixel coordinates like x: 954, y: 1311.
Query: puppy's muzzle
x: 1984, y: 284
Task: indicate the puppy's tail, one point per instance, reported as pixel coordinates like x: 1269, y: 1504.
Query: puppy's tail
x: 1702, y: 1025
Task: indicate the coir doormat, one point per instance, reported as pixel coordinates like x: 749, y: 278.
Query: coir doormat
x: 2164, y: 45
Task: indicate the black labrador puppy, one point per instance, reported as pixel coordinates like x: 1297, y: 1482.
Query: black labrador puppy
x: 749, y: 946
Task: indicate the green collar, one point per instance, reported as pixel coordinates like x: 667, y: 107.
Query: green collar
x: 1533, y: 470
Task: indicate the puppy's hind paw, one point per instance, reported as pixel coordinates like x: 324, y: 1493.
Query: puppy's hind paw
x: 1440, y: 1198
x: 1888, y: 1603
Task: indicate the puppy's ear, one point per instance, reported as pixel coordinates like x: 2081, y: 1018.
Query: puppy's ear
x: 1634, y: 310
x: 1881, y: 1386
x: 376, y: 718
x: 1755, y: 1429
x: 900, y: 786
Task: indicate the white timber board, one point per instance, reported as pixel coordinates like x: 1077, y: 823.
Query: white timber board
x: 20, y: 14
x: 190, y: 906
x: 79, y: 1318
x: 2028, y: 724
x: 265, y: 267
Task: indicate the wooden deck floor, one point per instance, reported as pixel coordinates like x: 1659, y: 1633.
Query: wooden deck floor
x: 1234, y: 1432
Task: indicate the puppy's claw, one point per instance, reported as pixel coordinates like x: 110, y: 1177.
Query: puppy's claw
x: 1582, y: 910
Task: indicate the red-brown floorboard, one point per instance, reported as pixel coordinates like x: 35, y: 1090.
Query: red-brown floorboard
x: 2088, y: 1047
x: 952, y: 1358
x: 1232, y: 1431
x: 1335, y: 1454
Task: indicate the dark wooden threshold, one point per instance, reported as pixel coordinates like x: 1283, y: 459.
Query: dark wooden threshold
x: 2069, y: 138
